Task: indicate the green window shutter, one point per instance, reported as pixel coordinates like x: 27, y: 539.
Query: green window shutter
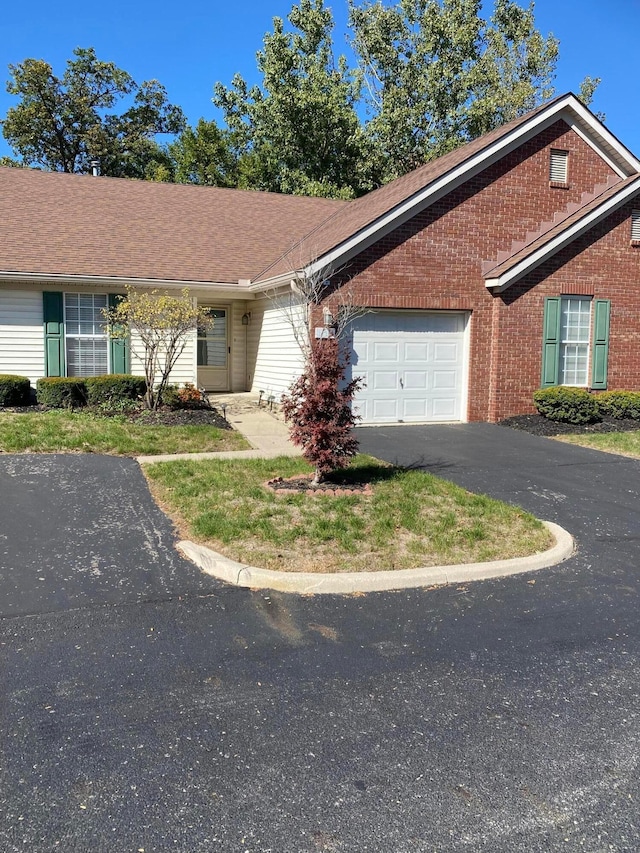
x: 551, y: 342
x: 602, y: 311
x: 120, y: 349
x: 53, y: 317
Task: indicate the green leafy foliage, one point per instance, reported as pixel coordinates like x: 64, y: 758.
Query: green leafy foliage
x: 63, y: 123
x: 14, y: 390
x: 567, y: 404
x: 299, y: 132
x: 113, y: 388
x: 158, y: 324
x: 619, y: 404
x: 59, y: 392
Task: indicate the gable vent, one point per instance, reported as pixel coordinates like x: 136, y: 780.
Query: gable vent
x: 558, y: 166
x: 635, y: 226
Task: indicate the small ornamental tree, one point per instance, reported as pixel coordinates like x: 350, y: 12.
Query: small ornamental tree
x: 318, y: 409
x: 158, y: 326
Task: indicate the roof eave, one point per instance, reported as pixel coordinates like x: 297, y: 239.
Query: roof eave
x: 500, y: 283
x: 120, y: 281
x: 569, y: 108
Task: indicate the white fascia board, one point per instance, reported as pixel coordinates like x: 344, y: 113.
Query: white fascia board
x: 119, y: 281
x: 279, y: 281
x: 501, y: 283
x: 625, y: 163
x: 568, y: 108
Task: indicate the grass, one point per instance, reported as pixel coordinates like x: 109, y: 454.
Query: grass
x: 412, y: 518
x: 624, y: 443
x: 60, y: 430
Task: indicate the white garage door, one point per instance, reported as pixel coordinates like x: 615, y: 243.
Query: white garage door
x: 413, y: 364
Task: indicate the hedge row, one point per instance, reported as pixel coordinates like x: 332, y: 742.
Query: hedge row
x: 14, y: 390
x: 578, y: 406
x: 72, y: 392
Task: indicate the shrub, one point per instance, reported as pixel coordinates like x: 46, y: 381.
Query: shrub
x: 14, y: 390
x: 318, y: 409
x: 619, y: 404
x: 567, y: 405
x: 187, y: 397
x: 113, y: 388
x: 60, y: 392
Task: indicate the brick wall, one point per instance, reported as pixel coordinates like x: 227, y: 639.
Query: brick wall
x: 435, y: 262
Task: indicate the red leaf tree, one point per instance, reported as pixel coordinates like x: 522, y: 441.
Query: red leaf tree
x: 318, y: 409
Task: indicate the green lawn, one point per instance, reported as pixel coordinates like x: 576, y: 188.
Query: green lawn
x: 65, y: 431
x: 412, y: 518
x: 625, y: 443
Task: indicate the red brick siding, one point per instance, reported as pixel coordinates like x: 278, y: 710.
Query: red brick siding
x: 434, y: 262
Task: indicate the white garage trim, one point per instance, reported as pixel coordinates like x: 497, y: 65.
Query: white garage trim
x: 414, y: 364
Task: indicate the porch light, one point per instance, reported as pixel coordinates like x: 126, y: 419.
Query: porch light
x: 327, y: 317
x: 246, y: 319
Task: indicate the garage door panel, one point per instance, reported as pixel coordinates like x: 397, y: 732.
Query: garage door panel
x: 413, y: 364
x: 415, y: 379
x: 414, y: 352
x: 388, y: 351
x: 445, y: 380
x: 385, y: 380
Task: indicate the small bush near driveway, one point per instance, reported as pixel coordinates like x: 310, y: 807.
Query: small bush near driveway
x: 411, y: 519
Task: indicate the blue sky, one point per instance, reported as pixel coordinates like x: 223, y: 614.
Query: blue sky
x: 191, y: 46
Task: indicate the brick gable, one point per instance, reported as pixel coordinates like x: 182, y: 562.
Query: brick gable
x: 434, y: 261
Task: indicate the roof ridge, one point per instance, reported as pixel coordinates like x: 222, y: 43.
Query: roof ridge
x: 548, y: 225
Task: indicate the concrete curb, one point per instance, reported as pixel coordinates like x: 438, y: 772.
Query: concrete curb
x: 348, y: 582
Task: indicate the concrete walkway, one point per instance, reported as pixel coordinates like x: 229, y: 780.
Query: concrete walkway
x: 264, y: 429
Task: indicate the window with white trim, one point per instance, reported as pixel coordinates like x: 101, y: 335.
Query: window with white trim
x: 575, y: 329
x: 558, y: 166
x: 635, y: 226
x: 85, y: 331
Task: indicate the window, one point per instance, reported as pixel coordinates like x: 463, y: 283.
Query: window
x: 558, y: 167
x: 576, y: 341
x: 212, y: 340
x: 575, y: 325
x: 86, y: 341
x: 635, y: 226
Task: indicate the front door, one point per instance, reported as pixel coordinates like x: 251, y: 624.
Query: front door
x: 213, y: 352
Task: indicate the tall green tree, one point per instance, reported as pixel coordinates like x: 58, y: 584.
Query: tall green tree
x: 437, y: 74
x: 299, y: 130
x: 63, y: 123
x: 206, y: 154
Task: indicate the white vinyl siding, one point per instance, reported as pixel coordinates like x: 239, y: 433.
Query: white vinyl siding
x: 185, y: 367
x: 21, y: 333
x: 575, y: 329
x: 275, y: 358
x: 635, y: 225
x: 558, y: 166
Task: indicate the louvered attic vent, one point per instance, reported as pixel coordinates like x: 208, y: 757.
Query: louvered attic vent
x: 635, y: 226
x: 558, y: 167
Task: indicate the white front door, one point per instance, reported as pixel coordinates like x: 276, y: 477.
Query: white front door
x: 213, y: 352
x: 413, y: 364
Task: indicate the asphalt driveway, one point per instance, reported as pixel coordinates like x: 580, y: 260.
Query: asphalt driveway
x: 147, y: 708
x: 82, y: 530
x: 594, y: 495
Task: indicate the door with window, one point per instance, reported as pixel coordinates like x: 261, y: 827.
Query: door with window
x: 213, y: 351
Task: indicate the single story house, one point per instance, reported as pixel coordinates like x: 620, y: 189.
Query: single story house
x: 506, y: 265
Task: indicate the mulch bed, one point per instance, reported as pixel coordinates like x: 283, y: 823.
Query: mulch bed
x: 303, y: 484
x: 181, y: 417
x: 539, y: 425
